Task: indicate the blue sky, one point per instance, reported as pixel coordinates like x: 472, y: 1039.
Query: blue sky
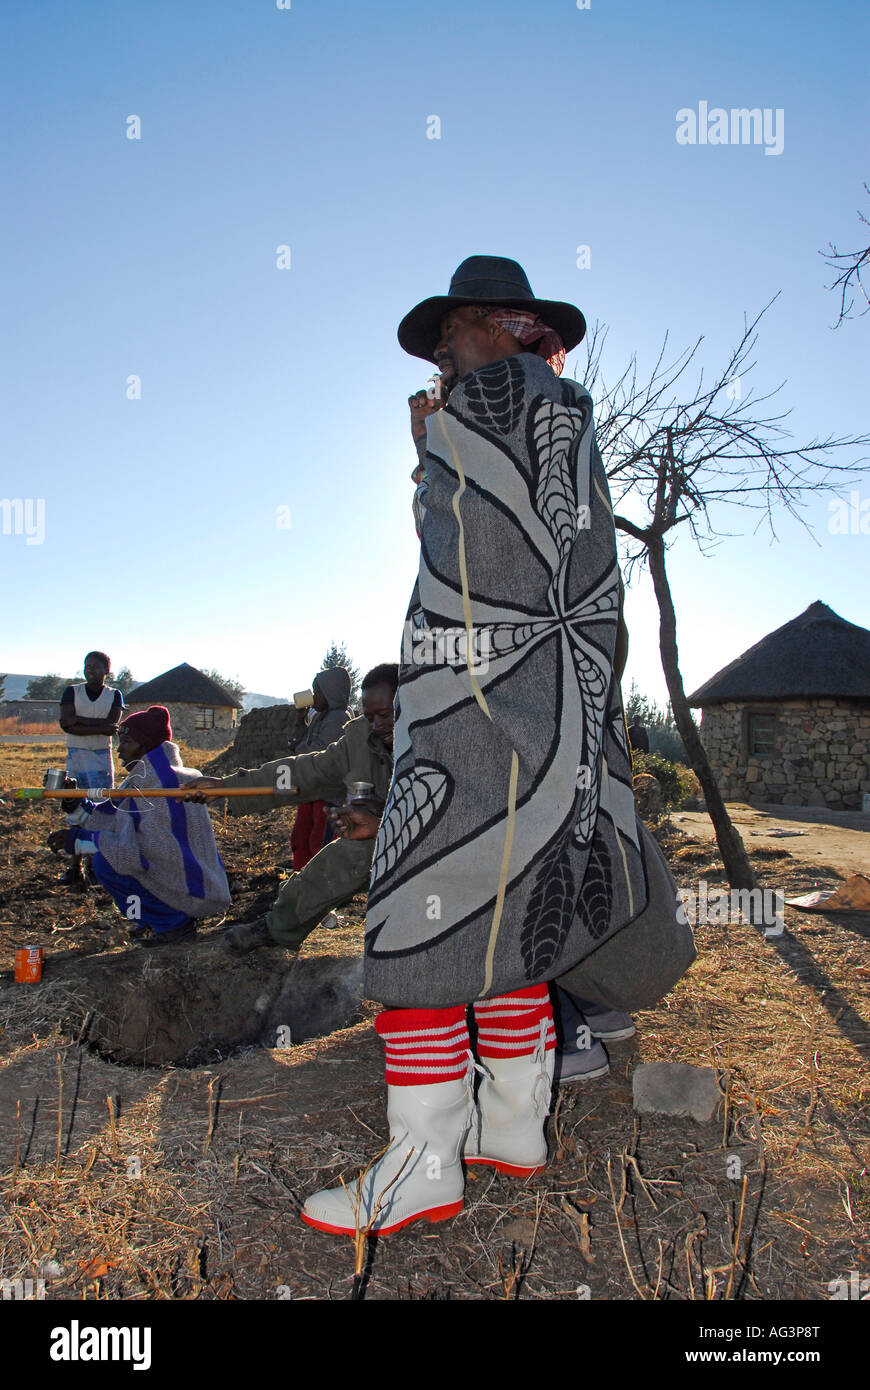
x: 266, y: 388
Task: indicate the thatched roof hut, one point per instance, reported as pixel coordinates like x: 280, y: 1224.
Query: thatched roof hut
x: 184, y: 684
x: 202, y: 712
x: 788, y: 722
x: 817, y: 653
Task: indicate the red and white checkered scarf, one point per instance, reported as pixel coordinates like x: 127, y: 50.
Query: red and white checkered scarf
x: 533, y: 333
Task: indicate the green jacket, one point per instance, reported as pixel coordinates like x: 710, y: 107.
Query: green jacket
x: 358, y: 756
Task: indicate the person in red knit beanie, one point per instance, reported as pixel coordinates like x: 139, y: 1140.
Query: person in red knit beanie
x: 150, y: 727
x: 157, y: 857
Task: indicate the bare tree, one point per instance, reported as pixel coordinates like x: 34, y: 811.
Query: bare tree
x: 674, y: 452
x: 849, y: 266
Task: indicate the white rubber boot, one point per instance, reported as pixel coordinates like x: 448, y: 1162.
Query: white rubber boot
x: 513, y: 1103
x: 427, y: 1122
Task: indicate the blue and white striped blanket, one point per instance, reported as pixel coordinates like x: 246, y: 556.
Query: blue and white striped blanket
x: 168, y: 845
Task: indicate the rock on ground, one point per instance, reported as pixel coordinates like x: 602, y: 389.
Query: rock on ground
x: 676, y: 1088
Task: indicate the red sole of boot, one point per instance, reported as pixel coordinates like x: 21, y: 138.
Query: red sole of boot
x: 512, y: 1170
x: 433, y: 1214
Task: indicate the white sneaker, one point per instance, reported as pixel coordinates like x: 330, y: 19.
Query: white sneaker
x: 419, y: 1177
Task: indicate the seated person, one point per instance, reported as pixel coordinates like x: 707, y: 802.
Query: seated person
x: 331, y: 690
x: 157, y: 857
x: 364, y: 753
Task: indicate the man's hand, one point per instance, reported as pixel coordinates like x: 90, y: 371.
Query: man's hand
x: 422, y: 406
x: 197, y: 787
x: 57, y: 841
x: 69, y: 804
x: 357, y: 822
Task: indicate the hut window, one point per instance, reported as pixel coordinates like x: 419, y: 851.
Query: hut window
x: 761, y: 735
x: 204, y: 718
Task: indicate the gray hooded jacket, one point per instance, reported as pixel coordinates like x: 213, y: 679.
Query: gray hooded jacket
x: 326, y: 726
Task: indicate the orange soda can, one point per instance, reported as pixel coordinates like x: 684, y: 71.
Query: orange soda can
x: 28, y: 965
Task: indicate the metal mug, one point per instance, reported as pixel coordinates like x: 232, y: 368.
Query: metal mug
x: 54, y: 779
x: 360, y: 791
x: 303, y: 699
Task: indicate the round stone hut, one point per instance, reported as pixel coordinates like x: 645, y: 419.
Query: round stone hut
x: 202, y: 713
x: 788, y: 722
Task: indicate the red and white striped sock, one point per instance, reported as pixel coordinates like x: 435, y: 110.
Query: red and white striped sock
x: 509, y: 1025
x: 424, y: 1045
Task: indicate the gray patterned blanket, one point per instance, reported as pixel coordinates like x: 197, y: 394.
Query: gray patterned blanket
x: 508, y: 849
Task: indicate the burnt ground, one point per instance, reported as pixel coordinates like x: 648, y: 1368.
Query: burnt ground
x: 134, y: 1181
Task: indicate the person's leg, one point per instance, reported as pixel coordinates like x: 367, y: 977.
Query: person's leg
x: 429, y: 1109
x: 91, y: 767
x: 318, y: 828
x: 76, y: 766
x: 301, y: 836
x: 142, y: 910
x: 581, y: 1056
x: 328, y: 880
x: 515, y: 1042
x: 606, y: 1024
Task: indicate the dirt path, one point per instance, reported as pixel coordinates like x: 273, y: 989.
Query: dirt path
x: 838, y: 839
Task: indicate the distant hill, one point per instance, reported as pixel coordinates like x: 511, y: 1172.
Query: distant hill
x: 16, y: 685
x: 251, y: 700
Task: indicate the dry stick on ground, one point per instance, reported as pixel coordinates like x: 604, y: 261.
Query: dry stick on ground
x: 559, y: 1130
x: 522, y: 1263
x: 110, y: 1103
x: 59, y: 1113
x: 17, y: 1138
x: 727, y: 1105
x: 661, y: 1263
x: 763, y: 1161
x: 696, y: 1233
x: 734, y: 1256
x: 214, y: 1087
x: 637, y: 1287
x: 362, y: 1233
x: 808, y: 1120
x: 629, y: 1158
x: 511, y: 1280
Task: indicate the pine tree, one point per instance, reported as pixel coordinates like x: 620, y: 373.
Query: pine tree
x: 664, y: 736
x: 337, y: 656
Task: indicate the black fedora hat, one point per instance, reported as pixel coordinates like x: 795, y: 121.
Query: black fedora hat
x: 486, y: 280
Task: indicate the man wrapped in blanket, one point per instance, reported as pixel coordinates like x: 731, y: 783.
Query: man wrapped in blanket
x: 508, y: 850
x: 157, y: 857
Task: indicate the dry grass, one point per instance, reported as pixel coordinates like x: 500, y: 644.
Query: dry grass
x: 16, y: 726
x: 771, y: 1200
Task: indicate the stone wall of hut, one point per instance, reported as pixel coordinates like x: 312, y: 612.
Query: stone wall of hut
x: 184, y: 719
x: 821, y: 753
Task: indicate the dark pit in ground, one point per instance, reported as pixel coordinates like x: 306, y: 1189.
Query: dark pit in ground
x: 188, y: 1006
